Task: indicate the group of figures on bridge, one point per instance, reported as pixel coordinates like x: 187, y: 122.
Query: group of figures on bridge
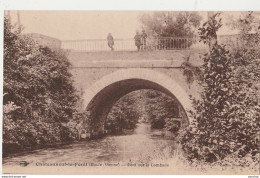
x: 140, y: 41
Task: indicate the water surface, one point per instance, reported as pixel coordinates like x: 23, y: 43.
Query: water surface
x: 143, y: 145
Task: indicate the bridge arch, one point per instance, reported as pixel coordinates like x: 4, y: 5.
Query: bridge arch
x: 103, y: 94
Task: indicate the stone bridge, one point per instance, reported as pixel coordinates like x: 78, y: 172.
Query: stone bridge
x: 104, y: 77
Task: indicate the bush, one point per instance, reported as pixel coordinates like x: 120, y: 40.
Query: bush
x: 39, y: 97
x: 227, y: 116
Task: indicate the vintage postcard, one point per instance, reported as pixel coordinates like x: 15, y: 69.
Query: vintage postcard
x: 131, y: 92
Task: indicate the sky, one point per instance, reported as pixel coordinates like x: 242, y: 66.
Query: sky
x: 75, y: 25
x: 78, y: 25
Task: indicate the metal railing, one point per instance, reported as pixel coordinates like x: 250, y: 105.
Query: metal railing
x: 167, y: 43
x: 248, y: 41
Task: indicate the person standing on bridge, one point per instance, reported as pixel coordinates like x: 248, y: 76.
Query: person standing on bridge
x: 143, y: 39
x: 137, y: 40
x: 110, y: 41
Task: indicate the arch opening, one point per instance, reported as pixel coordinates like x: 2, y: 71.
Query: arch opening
x: 145, y: 108
x: 100, y: 98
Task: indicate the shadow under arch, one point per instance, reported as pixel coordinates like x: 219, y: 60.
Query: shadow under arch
x: 103, y: 94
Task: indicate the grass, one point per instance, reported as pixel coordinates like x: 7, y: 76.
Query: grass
x: 180, y: 165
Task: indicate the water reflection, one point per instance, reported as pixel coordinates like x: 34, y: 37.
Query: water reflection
x: 143, y: 144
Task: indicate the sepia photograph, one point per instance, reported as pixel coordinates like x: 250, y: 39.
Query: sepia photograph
x: 131, y: 92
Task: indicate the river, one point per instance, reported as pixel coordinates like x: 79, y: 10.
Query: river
x: 143, y: 145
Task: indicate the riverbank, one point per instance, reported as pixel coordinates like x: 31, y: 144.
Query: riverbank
x: 28, y: 150
x: 177, y: 164
x: 228, y: 166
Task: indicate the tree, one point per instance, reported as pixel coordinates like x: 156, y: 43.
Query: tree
x: 124, y: 114
x: 160, y: 110
x: 143, y: 105
x: 247, y: 22
x: 208, y: 35
x: 39, y: 97
x: 226, y: 118
x: 248, y: 26
x: 170, y: 24
x: 36, y: 78
x: 208, y: 31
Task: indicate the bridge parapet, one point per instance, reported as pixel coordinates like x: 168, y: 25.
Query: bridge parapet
x: 44, y: 40
x: 162, y: 43
x: 149, y: 44
x: 129, y: 59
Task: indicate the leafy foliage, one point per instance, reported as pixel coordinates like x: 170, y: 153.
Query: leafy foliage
x: 161, y: 110
x: 248, y: 25
x: 170, y: 24
x: 159, y: 107
x: 39, y: 97
x: 150, y: 106
x: 248, y: 22
x: 227, y: 118
x: 208, y: 31
x: 124, y: 114
x: 190, y: 71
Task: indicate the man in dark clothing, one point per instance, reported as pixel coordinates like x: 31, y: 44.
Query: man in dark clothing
x: 143, y: 40
x: 110, y: 41
x: 137, y: 40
